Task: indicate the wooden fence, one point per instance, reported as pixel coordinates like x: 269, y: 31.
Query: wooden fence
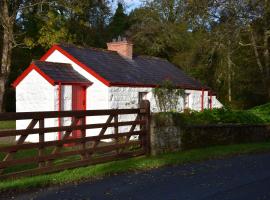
x: 49, y: 156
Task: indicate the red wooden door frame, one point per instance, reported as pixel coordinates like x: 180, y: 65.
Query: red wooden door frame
x: 78, y: 103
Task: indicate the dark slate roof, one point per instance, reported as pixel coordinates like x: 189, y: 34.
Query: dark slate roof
x: 140, y: 70
x: 61, y: 72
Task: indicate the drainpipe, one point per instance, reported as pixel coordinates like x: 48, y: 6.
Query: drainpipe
x: 202, y: 100
x: 59, y: 108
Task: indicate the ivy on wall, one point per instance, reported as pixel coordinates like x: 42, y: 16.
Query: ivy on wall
x: 168, y: 96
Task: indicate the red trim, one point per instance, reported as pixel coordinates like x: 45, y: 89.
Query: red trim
x: 59, y: 108
x: 85, y: 93
x: 211, y: 99
x: 86, y: 68
x: 202, y: 100
x: 187, y: 87
x: 100, y: 78
x: 27, y: 71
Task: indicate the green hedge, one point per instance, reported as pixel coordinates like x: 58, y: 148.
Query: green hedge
x: 216, y: 116
x: 262, y: 112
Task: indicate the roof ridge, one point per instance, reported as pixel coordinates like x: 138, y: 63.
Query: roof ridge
x: 87, y: 47
x: 154, y: 57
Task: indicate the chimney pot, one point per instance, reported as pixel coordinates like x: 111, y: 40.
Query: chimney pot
x: 122, y: 47
x: 119, y: 38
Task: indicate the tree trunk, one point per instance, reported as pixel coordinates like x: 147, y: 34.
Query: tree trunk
x: 2, y: 92
x: 229, y: 78
x: 5, y: 62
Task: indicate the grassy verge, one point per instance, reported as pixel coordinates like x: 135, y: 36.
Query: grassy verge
x: 7, y: 124
x: 133, y: 164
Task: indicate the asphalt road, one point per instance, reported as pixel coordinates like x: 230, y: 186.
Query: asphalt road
x: 241, y: 177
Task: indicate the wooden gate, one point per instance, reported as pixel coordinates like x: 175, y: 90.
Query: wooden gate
x: 49, y: 156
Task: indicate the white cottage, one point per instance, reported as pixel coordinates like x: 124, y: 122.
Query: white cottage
x: 74, y: 78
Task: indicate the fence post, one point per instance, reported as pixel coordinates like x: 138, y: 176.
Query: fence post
x: 146, y: 115
x: 41, y: 141
x: 116, y: 131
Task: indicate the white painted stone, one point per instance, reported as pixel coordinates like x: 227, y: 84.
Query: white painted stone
x: 34, y: 93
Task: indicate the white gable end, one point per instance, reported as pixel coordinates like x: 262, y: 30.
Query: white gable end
x: 34, y: 93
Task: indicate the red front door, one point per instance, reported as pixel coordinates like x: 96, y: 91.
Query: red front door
x: 78, y: 103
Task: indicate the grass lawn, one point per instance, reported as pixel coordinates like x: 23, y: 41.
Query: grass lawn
x: 133, y: 164
x: 7, y: 124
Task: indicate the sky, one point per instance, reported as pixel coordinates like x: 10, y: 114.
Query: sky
x: 130, y: 4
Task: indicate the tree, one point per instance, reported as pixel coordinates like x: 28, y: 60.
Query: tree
x: 258, y: 28
x: 9, y: 14
x: 158, y: 29
x: 119, y: 23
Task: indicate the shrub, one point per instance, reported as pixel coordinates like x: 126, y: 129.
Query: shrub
x: 215, y: 116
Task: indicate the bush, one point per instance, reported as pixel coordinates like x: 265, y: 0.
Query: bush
x: 262, y: 112
x: 215, y: 116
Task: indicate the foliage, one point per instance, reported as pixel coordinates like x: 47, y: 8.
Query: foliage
x: 262, y: 111
x: 119, y: 23
x: 223, y: 44
x: 167, y: 96
x: 215, y: 116
x: 133, y: 164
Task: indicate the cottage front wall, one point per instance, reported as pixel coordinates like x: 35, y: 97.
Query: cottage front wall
x: 34, y: 93
x: 96, y: 94
x: 128, y: 97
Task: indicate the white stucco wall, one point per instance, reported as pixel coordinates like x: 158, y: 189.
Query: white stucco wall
x: 96, y: 94
x: 216, y: 102
x: 34, y: 93
x: 127, y: 97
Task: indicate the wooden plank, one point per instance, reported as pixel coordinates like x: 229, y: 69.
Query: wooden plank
x: 103, y: 130
x: 44, y: 158
x: 41, y: 141
x: 66, y: 128
x: 57, y: 114
x: 20, y: 141
x: 116, y: 131
x: 70, y: 165
x: 83, y: 135
x: 145, y: 104
x: 64, y: 137
x: 66, y: 141
x: 132, y: 128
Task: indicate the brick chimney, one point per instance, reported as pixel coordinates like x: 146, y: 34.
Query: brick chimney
x: 122, y: 46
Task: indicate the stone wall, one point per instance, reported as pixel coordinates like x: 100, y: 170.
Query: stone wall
x: 171, y: 137
x: 165, y: 138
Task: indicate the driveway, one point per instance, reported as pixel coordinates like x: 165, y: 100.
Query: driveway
x: 240, y: 177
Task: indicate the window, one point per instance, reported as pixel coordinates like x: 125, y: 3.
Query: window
x: 142, y: 96
x: 186, y: 100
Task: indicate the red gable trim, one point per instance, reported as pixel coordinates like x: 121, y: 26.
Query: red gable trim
x: 103, y: 80
x: 27, y: 71
x: 90, y: 71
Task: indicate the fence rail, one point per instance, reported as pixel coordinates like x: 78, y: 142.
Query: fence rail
x: 69, y: 152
